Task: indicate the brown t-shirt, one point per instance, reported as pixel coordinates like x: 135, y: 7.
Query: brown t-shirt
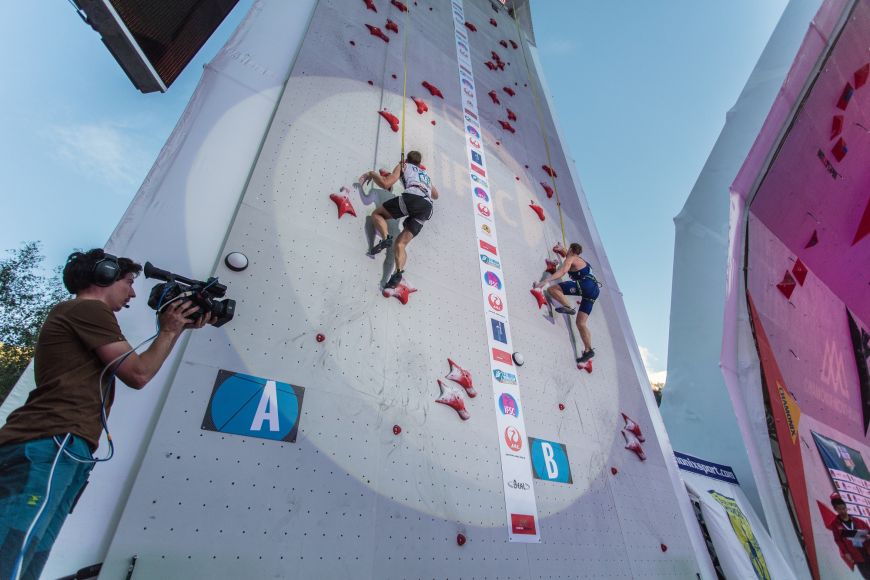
x: 67, y: 394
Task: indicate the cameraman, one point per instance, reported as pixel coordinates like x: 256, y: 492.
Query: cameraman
x: 47, y: 445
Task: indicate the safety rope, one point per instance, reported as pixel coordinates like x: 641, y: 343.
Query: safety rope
x: 404, y: 80
x: 541, y: 125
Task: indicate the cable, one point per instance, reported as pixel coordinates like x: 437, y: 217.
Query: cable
x: 404, y: 81
x: 19, y: 561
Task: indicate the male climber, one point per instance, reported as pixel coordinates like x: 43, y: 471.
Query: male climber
x: 415, y: 203
x: 582, y: 283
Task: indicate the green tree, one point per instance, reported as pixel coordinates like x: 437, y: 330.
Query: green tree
x: 26, y: 296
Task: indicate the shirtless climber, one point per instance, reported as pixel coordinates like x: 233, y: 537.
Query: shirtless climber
x: 415, y: 203
x: 582, y: 283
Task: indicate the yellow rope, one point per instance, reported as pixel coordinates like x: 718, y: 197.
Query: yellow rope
x: 541, y: 124
x: 404, y: 80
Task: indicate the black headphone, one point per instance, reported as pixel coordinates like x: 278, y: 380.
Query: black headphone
x: 106, y: 271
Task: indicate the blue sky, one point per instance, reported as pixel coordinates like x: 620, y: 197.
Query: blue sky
x: 641, y: 90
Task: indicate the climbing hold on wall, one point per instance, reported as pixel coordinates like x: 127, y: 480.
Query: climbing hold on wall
x: 470, y: 26
x: 503, y: 43
x: 495, y: 56
x: 509, y: 91
x: 559, y: 249
x: 800, y: 272
x: 391, y: 119
x: 498, y: 143
x: 402, y: 292
x: 451, y: 396
x: 422, y: 107
x: 664, y: 547
x: 352, y: 43
x: 836, y: 125
x: 320, y: 337
x: 587, y: 366
x: 633, y: 427
x: 547, y: 188
x: 462, y: 377
x: 399, y: 5
x: 507, y: 126
x: 371, y: 5
x: 343, y: 204
x: 384, y: 172
x: 551, y: 266
x: 539, y: 297
x: 632, y: 444
x: 432, y: 121
x: 396, y: 429
x: 372, y: 83
x: 435, y: 91
x: 511, y: 116
x: 393, y: 27
x: 518, y: 359
x: 460, y: 539
x: 494, y: 96
x: 493, y: 22
x: 375, y: 31
x: 538, y: 210
x: 514, y: 45
x: 236, y: 261
x: 840, y: 149
x: 614, y: 471
x: 787, y: 285
x: 861, y: 76
x: 561, y: 406
x: 814, y: 239
x: 490, y: 65
x: 549, y: 171
x: 500, y: 65
x: 845, y: 96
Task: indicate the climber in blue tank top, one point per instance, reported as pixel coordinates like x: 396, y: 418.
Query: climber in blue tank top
x: 582, y: 283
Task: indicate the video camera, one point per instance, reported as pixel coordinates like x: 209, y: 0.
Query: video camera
x: 203, y: 294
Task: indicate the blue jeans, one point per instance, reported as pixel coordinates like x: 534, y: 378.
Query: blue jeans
x: 24, y: 471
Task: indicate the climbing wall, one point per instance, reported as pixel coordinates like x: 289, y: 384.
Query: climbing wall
x: 361, y: 472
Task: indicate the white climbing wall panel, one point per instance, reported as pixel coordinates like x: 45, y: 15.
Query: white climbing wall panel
x: 349, y: 498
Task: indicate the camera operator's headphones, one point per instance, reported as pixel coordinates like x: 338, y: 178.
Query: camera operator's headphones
x: 106, y: 271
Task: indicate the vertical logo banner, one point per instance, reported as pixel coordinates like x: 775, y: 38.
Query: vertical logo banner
x: 519, y: 492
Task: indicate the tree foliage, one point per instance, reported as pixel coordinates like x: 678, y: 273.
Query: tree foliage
x: 26, y: 297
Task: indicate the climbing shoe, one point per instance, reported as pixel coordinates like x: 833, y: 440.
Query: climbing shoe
x: 587, y: 355
x: 394, y: 280
x: 382, y: 245
x: 566, y: 310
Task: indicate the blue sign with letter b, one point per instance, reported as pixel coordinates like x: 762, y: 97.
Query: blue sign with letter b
x: 550, y: 461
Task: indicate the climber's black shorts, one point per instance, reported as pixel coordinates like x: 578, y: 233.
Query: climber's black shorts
x: 588, y: 290
x: 416, y: 207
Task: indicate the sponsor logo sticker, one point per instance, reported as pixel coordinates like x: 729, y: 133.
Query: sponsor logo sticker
x: 495, y: 302
x: 467, y: 112
x: 489, y: 261
x: 486, y: 229
x: 472, y: 131
x: 492, y: 279
x: 479, y: 170
x: 503, y: 377
x: 498, y: 331
x: 489, y: 248
x: 483, y: 210
x: 512, y: 438
x: 480, y: 193
x: 502, y: 357
x: 508, y: 405
x: 479, y: 180
x: 523, y: 524
x: 477, y: 157
x: 520, y: 485
x: 474, y: 143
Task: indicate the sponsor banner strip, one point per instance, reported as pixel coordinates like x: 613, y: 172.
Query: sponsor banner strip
x: 519, y: 492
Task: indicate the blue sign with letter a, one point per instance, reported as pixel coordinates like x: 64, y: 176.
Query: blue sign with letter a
x: 550, y: 461
x: 254, y: 407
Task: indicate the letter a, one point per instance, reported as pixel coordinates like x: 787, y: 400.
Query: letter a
x: 549, y: 462
x: 267, y: 410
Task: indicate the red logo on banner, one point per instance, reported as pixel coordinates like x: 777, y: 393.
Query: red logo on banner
x: 502, y: 357
x: 513, y: 438
x: 523, y: 524
x: 489, y: 248
x: 483, y: 209
x: 479, y: 170
x: 474, y: 143
x: 495, y: 303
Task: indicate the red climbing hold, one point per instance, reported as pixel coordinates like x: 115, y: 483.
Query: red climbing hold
x: 462, y: 377
x: 559, y: 249
x: 495, y: 56
x: 396, y: 429
x: 352, y: 43
x: 511, y: 115
x: 587, y: 366
x: 551, y: 266
x: 494, y: 96
x: 539, y: 296
x: 451, y: 396
x: 836, y: 125
x: 392, y: 26
x: 433, y: 121
x: 493, y: 22
x: 371, y: 5
x: 814, y: 239
x: 375, y: 31
x: 549, y: 171
x: 401, y: 292
x: 787, y: 285
x: 538, y: 210
x: 399, y: 5
x: 561, y: 406
x: 490, y: 65
x: 840, y: 149
x: 500, y: 65
x: 861, y: 76
x: 514, y: 44
x: 509, y: 91
x: 845, y: 96
x: 435, y: 91
x: 384, y: 172
x: 320, y: 338
x: 614, y: 471
x: 394, y: 76
x: 422, y: 107
x: 343, y: 203
x: 507, y: 126
x: 664, y: 547
x: 372, y: 83
x: 632, y: 444
x: 470, y: 26
x: 503, y: 43
x: 547, y: 188
x: 633, y: 427
x: 800, y: 272
x: 460, y: 539
x: 391, y: 119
